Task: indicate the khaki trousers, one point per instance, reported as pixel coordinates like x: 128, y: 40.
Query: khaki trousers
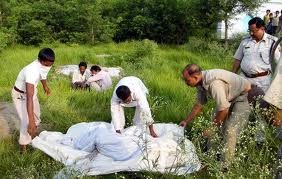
x: 19, y: 100
x: 231, y: 129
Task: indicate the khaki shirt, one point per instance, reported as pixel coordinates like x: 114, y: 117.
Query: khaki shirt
x: 254, y: 56
x: 223, y: 86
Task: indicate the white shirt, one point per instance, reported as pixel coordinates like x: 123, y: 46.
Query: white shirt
x: 254, y: 56
x: 32, y: 74
x: 78, y: 77
x: 102, y: 78
x: 275, y: 21
x: 139, y: 100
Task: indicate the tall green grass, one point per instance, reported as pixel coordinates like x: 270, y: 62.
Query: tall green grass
x: 159, y: 67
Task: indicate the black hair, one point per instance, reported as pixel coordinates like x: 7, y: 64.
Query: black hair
x: 268, y: 10
x: 123, y: 92
x: 258, y: 21
x: 95, y: 68
x: 82, y: 64
x: 46, y: 54
x: 192, y: 69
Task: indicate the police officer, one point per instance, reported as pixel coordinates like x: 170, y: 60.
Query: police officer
x: 230, y: 94
x: 252, y: 56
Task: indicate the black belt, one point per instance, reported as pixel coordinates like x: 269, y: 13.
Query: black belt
x: 18, y: 90
x: 257, y: 74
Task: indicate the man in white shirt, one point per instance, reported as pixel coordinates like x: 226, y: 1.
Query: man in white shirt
x: 131, y: 92
x: 252, y: 56
x: 80, y: 77
x: 100, y: 80
x: 24, y: 94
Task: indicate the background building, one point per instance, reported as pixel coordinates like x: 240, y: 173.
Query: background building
x: 239, y: 24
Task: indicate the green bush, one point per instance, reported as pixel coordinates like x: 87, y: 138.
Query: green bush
x: 208, y: 47
x: 6, y: 39
x: 141, y: 50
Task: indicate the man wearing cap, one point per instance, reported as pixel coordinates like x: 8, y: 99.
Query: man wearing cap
x: 232, y: 108
x: 131, y: 92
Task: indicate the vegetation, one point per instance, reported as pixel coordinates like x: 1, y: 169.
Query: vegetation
x: 160, y: 68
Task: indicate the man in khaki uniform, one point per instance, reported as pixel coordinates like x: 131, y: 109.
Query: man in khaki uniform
x: 252, y: 56
x: 230, y: 93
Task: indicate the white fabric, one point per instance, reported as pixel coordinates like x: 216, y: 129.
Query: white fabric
x: 139, y: 100
x: 95, y: 149
x: 69, y: 69
x: 78, y: 77
x: 274, y: 93
x: 102, y: 78
x: 32, y: 73
x: 254, y: 56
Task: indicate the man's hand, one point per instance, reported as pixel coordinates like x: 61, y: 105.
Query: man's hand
x: 152, y: 131
x: 32, y: 130
x: 47, y: 91
x: 183, y: 123
x: 153, y: 134
x: 118, y: 131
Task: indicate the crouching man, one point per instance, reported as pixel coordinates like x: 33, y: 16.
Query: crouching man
x: 131, y: 92
x: 232, y: 108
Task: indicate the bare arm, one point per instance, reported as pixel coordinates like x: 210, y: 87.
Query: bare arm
x: 236, y: 66
x: 220, y: 117
x: 45, y: 87
x: 29, y: 105
x: 195, y: 111
x: 152, y: 132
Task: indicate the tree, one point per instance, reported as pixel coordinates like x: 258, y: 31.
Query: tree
x: 231, y: 8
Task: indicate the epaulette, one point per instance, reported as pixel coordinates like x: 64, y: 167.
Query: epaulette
x: 272, y: 37
x: 246, y: 37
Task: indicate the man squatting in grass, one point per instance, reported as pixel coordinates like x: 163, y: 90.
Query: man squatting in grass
x: 80, y: 76
x: 100, y: 80
x: 131, y: 92
x: 24, y: 94
x: 230, y: 92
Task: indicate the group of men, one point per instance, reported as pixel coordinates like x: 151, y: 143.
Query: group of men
x: 96, y: 79
x: 229, y: 90
x: 273, y: 22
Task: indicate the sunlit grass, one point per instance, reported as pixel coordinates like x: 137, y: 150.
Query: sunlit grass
x: 170, y: 99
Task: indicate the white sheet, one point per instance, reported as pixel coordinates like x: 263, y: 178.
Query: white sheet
x: 95, y: 148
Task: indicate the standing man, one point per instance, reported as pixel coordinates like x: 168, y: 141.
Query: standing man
x: 24, y: 94
x: 275, y: 22
x: 131, y: 92
x: 232, y: 108
x: 266, y: 17
x: 252, y: 56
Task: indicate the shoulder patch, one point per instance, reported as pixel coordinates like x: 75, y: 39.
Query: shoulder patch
x: 246, y: 37
x: 272, y: 37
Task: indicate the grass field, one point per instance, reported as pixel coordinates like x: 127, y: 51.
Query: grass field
x: 159, y: 67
